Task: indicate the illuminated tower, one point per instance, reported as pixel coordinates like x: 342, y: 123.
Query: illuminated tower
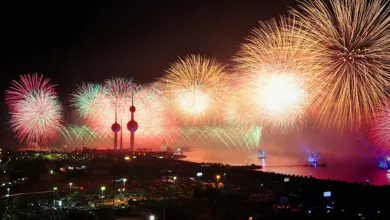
x: 115, y: 128
x: 121, y: 144
x: 132, y: 125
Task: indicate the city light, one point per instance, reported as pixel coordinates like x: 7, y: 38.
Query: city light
x: 54, y: 195
x: 102, y: 189
x: 124, y: 183
x: 151, y: 217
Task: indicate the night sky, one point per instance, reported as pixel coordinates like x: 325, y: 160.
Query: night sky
x: 91, y: 41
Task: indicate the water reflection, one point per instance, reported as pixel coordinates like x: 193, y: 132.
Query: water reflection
x: 353, y: 170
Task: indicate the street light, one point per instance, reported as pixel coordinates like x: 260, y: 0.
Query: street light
x: 218, y: 177
x: 103, y: 188
x: 124, y: 182
x: 174, y: 179
x: 70, y: 188
x: 151, y: 217
x: 54, y: 192
x: 8, y: 192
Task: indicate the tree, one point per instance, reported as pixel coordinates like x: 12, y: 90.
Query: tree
x: 18, y: 201
x: 77, y: 197
x: 197, y: 193
x: 3, y: 204
x: 212, y: 194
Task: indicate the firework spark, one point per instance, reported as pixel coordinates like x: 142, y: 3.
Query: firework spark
x: 194, y: 88
x: 83, y: 133
x: 152, y: 114
x: 273, y: 73
x: 231, y: 136
x: 28, y: 83
x: 380, y: 131
x: 36, y: 113
x: 98, y: 106
x: 119, y: 91
x: 352, y: 53
x: 87, y: 99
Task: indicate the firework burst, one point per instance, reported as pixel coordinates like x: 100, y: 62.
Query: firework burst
x: 352, y: 53
x: 152, y: 114
x: 36, y: 113
x: 94, y: 107
x: 273, y: 74
x: 194, y: 87
x: 119, y: 91
x: 99, y: 106
x: 87, y: 99
x: 26, y: 84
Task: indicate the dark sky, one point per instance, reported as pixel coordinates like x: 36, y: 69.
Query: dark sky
x: 90, y: 41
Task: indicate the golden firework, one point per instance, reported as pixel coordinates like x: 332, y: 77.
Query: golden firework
x: 352, y: 48
x: 194, y: 87
x: 274, y: 73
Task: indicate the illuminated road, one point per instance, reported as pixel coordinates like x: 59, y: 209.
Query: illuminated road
x: 27, y: 193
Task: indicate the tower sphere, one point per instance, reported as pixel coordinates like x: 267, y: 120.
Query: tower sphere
x: 132, y: 109
x: 115, y: 127
x: 132, y: 126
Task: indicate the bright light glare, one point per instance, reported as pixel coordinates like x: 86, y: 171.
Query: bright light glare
x: 281, y: 98
x: 193, y: 102
x: 282, y: 94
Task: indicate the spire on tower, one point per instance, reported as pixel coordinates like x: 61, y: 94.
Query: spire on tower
x: 132, y: 125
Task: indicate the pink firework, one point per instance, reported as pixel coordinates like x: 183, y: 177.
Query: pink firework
x: 36, y: 113
x: 99, y: 105
x: 152, y: 115
x: 26, y: 84
x: 380, y: 131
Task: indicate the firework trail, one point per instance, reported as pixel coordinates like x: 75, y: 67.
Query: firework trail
x: 74, y: 133
x: 352, y: 53
x: 230, y: 136
x: 194, y: 87
x: 273, y: 74
x: 36, y: 113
